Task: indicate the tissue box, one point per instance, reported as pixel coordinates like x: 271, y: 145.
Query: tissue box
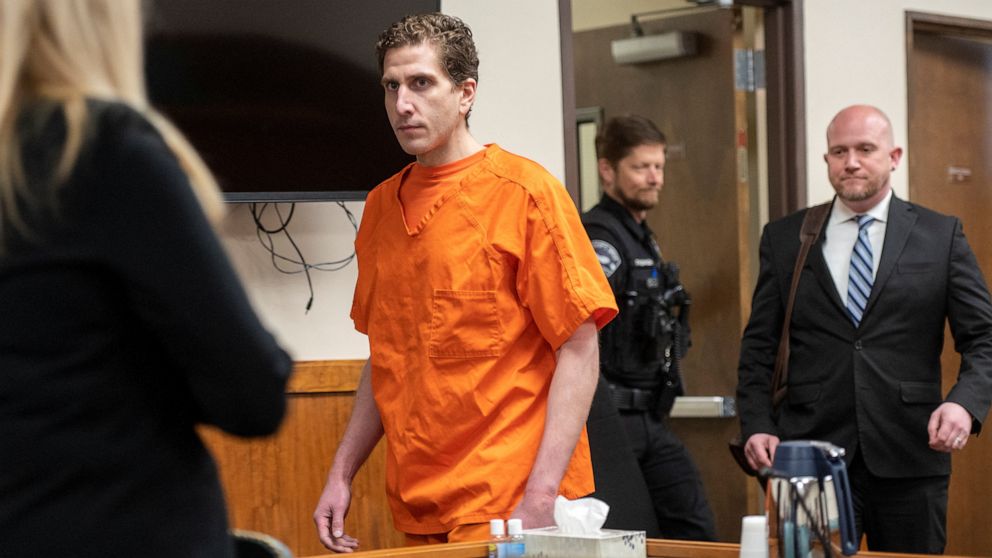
x: 609, y: 543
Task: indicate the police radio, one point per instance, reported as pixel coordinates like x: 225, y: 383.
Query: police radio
x: 673, y: 322
x: 651, y: 335
x: 667, y: 318
x: 676, y: 297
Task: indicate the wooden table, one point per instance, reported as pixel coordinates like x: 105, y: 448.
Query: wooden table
x: 656, y: 548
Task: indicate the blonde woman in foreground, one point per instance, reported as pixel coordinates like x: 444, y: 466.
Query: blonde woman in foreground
x: 123, y: 324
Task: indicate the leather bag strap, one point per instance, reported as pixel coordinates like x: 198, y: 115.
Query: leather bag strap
x: 812, y: 227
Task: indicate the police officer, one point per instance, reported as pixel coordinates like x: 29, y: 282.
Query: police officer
x: 641, y: 349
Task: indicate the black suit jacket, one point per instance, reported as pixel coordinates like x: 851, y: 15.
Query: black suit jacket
x: 871, y: 388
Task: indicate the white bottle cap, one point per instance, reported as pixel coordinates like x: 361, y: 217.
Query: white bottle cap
x: 496, y: 527
x: 515, y: 526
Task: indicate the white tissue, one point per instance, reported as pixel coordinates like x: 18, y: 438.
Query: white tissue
x: 584, y: 516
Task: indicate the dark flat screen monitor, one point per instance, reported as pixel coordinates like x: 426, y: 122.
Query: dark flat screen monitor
x: 280, y: 97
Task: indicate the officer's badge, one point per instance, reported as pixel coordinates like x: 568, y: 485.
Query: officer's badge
x: 609, y: 257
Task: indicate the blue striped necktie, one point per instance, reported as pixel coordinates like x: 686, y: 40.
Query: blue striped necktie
x: 860, y: 279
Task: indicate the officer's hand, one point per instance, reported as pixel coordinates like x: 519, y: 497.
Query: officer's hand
x: 760, y: 450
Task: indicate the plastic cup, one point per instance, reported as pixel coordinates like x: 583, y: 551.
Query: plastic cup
x: 754, y: 536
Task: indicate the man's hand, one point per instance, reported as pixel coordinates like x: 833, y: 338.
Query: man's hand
x: 360, y: 436
x: 536, y: 510
x: 760, y: 450
x: 329, y: 517
x: 949, y: 427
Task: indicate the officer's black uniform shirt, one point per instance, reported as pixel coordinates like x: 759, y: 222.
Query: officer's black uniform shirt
x: 609, y: 247
x: 630, y: 257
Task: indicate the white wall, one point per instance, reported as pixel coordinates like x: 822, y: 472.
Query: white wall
x: 856, y: 53
x: 323, y: 233
x: 519, y: 106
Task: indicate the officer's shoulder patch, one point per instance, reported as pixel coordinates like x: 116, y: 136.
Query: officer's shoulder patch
x: 609, y: 257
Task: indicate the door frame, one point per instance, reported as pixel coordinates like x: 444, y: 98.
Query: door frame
x: 949, y: 25
x: 786, y: 105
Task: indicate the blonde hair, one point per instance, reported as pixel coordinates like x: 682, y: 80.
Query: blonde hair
x: 67, y: 51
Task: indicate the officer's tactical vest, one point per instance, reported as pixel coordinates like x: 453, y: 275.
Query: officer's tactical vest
x: 641, y: 347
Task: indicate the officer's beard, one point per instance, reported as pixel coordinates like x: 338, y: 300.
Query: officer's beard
x: 634, y: 203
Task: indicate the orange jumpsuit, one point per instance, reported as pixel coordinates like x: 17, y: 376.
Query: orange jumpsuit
x: 465, y: 311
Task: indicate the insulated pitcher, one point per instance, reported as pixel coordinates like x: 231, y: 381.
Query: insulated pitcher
x: 810, y: 514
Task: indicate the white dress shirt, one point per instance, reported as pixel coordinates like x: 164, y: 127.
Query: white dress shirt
x: 841, y: 234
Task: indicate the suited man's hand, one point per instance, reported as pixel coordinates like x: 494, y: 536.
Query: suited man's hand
x: 760, y: 450
x: 949, y: 427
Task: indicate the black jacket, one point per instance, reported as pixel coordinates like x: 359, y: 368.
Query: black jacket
x: 870, y: 389
x: 123, y: 326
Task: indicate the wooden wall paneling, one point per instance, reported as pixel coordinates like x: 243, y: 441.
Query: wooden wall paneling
x: 272, y: 484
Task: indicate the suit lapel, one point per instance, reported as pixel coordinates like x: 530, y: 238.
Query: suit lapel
x: 818, y: 264
x: 902, y: 218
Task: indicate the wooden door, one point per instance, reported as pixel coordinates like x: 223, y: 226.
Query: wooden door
x: 703, y: 221
x: 950, y: 170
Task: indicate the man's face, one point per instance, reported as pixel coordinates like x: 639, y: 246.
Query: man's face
x: 637, y: 179
x: 860, y: 155
x: 425, y: 107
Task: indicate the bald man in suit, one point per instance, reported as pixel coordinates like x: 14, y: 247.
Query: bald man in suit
x: 866, y: 337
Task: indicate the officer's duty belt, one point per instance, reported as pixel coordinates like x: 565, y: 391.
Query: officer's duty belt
x: 632, y: 399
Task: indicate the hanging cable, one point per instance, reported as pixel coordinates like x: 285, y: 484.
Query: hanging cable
x: 265, y: 238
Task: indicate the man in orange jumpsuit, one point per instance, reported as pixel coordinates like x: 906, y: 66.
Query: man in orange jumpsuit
x: 481, y: 296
